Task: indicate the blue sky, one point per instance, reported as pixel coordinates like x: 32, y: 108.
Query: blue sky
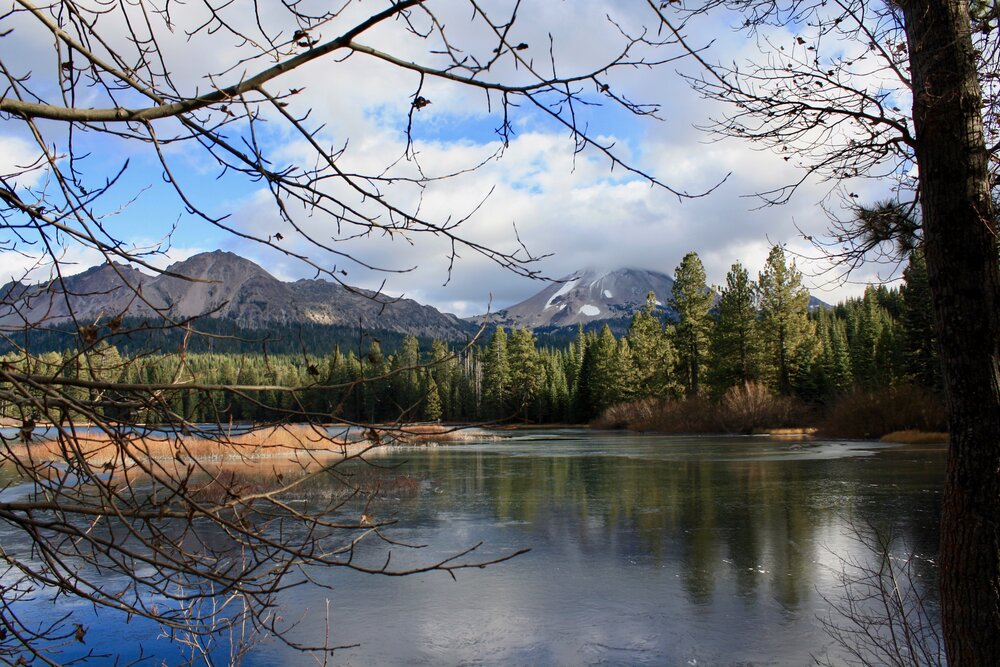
x: 574, y: 208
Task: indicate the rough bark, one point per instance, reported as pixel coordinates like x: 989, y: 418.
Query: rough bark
x: 961, y: 251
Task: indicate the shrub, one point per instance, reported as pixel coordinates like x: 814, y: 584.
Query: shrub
x: 742, y: 409
x: 872, y: 414
x: 628, y: 415
x: 688, y: 415
x: 751, y: 406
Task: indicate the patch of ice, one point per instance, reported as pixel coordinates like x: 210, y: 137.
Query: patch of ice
x: 589, y: 310
x: 608, y: 295
x: 562, y: 290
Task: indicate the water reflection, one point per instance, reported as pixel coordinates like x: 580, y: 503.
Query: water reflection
x: 645, y: 549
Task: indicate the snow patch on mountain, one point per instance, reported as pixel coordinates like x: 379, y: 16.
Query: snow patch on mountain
x: 586, y: 296
x: 565, y: 289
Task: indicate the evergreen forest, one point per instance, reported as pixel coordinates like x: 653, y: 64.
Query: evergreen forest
x: 752, y: 332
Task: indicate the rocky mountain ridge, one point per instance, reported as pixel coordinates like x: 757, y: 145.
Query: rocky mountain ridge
x: 586, y: 296
x: 229, y: 288
x: 219, y: 285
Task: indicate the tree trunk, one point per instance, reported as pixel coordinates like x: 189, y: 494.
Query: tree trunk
x: 961, y: 252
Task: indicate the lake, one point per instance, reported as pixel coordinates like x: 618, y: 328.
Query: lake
x: 645, y: 549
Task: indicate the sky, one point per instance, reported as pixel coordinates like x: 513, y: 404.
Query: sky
x: 571, y: 210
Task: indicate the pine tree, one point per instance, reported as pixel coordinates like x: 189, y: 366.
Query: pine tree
x: 736, y: 343
x: 375, y: 391
x: 405, y: 379
x: 526, y: 373
x: 834, y: 365
x: 919, y: 342
x: 652, y: 353
x: 444, y: 368
x: 557, y: 389
x: 628, y: 371
x: 692, y: 300
x: 784, y: 306
x: 581, y: 367
x: 496, y: 377
x: 432, y: 400
x: 875, y: 357
x: 605, y: 383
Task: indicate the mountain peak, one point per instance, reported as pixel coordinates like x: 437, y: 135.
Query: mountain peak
x: 588, y: 295
x: 220, y: 285
x: 218, y: 265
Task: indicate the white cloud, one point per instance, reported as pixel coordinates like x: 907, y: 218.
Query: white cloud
x: 572, y: 205
x: 19, y: 162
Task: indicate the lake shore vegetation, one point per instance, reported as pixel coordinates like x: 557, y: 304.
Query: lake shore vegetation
x: 760, y: 358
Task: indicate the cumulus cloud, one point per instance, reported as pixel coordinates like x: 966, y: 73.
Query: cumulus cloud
x: 20, y: 162
x: 572, y: 209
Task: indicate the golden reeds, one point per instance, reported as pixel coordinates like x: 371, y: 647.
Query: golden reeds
x: 101, y: 447
x: 912, y: 437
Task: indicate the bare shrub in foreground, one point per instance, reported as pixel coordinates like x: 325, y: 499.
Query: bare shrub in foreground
x: 95, y: 93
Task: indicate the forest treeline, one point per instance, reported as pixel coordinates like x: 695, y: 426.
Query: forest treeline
x: 751, y: 339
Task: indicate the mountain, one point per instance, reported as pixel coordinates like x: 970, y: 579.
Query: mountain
x: 223, y: 286
x: 590, y: 297
x: 584, y: 297
x: 816, y: 304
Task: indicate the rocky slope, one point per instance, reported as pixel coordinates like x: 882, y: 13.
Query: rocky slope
x: 218, y: 285
x: 586, y: 296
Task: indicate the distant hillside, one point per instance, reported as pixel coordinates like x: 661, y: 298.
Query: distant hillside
x: 136, y: 336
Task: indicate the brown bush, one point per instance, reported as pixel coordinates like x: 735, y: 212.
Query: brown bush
x: 751, y: 406
x: 742, y: 409
x: 872, y: 414
x: 688, y: 415
x: 628, y: 415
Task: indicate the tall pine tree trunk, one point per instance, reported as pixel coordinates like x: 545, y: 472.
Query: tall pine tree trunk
x: 961, y: 251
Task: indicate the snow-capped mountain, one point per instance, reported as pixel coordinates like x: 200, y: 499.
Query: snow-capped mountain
x: 586, y: 296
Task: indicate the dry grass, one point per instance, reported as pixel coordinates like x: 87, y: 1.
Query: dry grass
x: 751, y: 407
x: 99, y: 448
x: 787, y: 431
x: 422, y: 434
x: 279, y: 449
x: 916, y: 437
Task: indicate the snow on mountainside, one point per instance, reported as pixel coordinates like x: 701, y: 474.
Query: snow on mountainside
x: 218, y: 285
x: 593, y: 295
x: 586, y: 296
